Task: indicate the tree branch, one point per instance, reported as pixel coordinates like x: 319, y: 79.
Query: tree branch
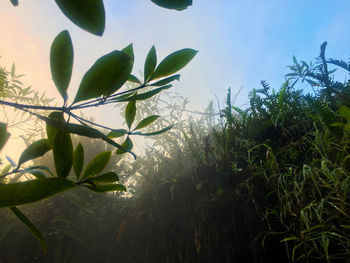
x: 36, y: 107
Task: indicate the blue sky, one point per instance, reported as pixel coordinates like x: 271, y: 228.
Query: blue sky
x: 239, y: 42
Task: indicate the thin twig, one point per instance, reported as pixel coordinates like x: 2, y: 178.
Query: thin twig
x: 36, y: 107
x: 97, y: 102
x: 82, y: 120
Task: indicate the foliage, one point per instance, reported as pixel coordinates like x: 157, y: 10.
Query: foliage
x: 12, y: 88
x: 272, y: 177
x: 99, y: 86
x: 269, y: 183
x: 301, y: 152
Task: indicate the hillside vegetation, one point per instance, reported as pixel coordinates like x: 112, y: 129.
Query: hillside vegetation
x: 266, y: 183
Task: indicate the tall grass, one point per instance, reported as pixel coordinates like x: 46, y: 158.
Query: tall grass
x: 268, y: 183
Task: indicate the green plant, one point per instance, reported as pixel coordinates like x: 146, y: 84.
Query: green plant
x: 100, y: 85
x: 305, y: 164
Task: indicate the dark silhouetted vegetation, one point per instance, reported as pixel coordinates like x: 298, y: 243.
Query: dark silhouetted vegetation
x: 266, y: 183
x: 104, y: 83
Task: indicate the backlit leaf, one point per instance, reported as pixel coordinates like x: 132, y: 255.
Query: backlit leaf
x: 61, y: 62
x: 127, y: 145
x: 144, y: 96
x: 150, y: 63
x: 166, y: 81
x: 80, y: 130
x: 14, y: 2
x: 4, y: 135
x: 87, y: 14
x: 117, y: 133
x: 31, y: 191
x: 130, y: 112
x: 156, y: 132
x: 50, y: 130
x: 134, y: 79
x: 78, y: 160
x: 147, y: 121
x: 63, y: 153
x: 38, y: 174
x: 106, y: 178
x: 35, y: 150
x: 173, y: 4
x: 129, y: 50
x: 173, y: 63
x: 96, y: 165
x: 106, y: 76
x: 12, y: 162
x: 37, y: 168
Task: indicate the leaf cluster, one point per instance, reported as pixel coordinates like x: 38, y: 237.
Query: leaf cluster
x: 100, y: 85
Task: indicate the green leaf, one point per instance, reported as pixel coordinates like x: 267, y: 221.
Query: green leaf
x: 50, y: 130
x: 147, y: 121
x: 32, y: 191
x: 117, y: 133
x: 291, y: 75
x: 129, y: 50
x: 127, y: 145
x: 323, y: 50
x: 96, y: 165
x: 106, y: 178
x: 134, y: 79
x: 344, y: 112
x: 150, y: 63
x: 36, y: 168
x: 80, y: 130
x: 156, y: 132
x: 145, y: 95
x: 87, y: 14
x: 32, y: 228
x: 61, y: 62
x: 63, y: 153
x: 130, y: 112
x: 10, y: 161
x: 6, y: 169
x: 173, y: 63
x: 338, y: 124
x: 35, y: 150
x: 14, y: 2
x: 178, y: 5
x: 347, y: 127
x: 102, y: 188
x: 13, y: 69
x: 4, y: 135
x: 106, y: 76
x: 289, y: 239
x: 55, y: 122
x: 127, y: 95
x: 38, y: 174
x: 78, y: 160
x: 166, y: 81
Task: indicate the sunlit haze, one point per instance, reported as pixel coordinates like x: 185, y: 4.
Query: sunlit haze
x: 239, y: 42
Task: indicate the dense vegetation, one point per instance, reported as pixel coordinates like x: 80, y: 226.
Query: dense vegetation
x: 269, y: 183
x: 104, y: 83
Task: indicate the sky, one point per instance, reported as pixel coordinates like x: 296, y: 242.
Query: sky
x: 240, y: 43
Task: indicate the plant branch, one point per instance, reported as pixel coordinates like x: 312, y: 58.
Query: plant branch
x: 100, y: 101
x: 82, y: 120
x: 35, y: 107
x: 13, y: 172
